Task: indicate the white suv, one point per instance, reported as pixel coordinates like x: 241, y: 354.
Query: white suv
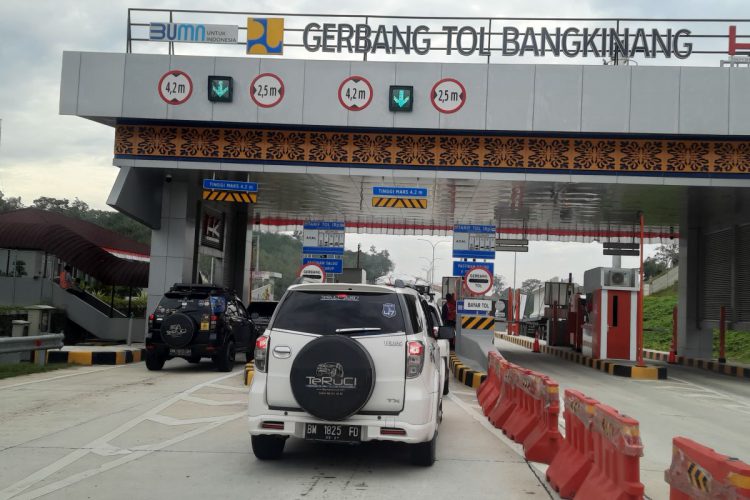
x: 348, y: 363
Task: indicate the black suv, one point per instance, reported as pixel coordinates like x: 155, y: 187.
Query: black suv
x: 197, y: 321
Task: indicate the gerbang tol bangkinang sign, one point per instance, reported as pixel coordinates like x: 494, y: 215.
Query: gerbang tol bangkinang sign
x: 508, y: 40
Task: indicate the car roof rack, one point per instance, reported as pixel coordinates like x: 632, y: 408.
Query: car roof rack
x: 186, y: 287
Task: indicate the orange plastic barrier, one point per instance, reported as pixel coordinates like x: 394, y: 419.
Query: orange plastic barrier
x: 522, y: 421
x: 700, y: 472
x: 506, y: 402
x: 543, y: 442
x: 573, y: 461
x: 489, y: 390
x: 615, y: 473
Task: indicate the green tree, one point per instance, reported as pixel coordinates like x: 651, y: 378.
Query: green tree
x: 52, y: 204
x: 669, y: 255
x: 653, y: 267
x: 9, y: 204
x: 375, y: 263
x: 527, y: 286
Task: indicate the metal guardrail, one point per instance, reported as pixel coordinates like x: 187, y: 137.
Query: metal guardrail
x: 13, y: 345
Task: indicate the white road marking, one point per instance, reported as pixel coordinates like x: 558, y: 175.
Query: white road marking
x: 211, y: 402
x: 60, y: 376
x: 231, y: 388
x: 101, y: 446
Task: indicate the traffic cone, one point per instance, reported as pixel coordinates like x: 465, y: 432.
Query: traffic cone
x: 536, y: 343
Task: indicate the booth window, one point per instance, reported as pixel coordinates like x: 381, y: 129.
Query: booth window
x: 615, y: 314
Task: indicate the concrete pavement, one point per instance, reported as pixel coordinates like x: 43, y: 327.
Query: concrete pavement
x: 122, y: 431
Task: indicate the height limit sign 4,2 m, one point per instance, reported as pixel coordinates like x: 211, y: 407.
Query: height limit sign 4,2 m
x: 448, y: 95
x: 355, y: 93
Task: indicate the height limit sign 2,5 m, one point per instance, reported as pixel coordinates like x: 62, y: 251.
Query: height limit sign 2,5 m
x: 448, y: 95
x: 267, y: 90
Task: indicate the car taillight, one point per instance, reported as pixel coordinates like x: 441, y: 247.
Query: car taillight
x: 150, y: 317
x: 414, y: 358
x: 214, y: 319
x: 261, y: 353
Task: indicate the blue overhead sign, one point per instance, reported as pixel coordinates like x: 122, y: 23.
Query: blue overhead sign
x: 396, y: 191
x: 473, y: 241
x: 330, y: 266
x: 461, y: 268
x: 215, y: 184
x: 473, y: 228
x: 323, y: 224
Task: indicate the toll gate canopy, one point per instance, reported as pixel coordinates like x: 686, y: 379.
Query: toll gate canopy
x: 410, y: 126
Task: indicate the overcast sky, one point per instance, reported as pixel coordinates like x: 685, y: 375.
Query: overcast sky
x: 44, y: 154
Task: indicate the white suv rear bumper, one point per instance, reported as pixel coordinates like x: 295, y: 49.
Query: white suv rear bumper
x: 418, y: 419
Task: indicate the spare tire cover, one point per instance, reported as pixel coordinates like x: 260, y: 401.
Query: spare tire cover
x: 332, y: 377
x: 177, y: 330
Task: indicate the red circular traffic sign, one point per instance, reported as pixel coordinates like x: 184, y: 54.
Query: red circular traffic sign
x: 267, y: 90
x: 312, y: 271
x: 355, y: 93
x: 175, y: 87
x: 478, y: 280
x: 448, y: 95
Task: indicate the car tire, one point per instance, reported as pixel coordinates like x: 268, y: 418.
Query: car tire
x: 225, y: 359
x: 155, y: 361
x: 194, y: 359
x: 268, y: 447
x: 446, y: 382
x: 423, y: 454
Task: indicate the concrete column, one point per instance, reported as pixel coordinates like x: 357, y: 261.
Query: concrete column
x: 246, y: 269
x: 172, y: 246
x: 235, y: 260
x: 692, y: 340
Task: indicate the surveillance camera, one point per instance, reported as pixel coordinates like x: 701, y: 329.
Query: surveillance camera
x: 168, y: 178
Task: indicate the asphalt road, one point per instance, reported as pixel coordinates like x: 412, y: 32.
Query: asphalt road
x: 709, y: 408
x: 124, y: 432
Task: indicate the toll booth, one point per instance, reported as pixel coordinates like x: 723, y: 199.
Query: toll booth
x: 612, y: 306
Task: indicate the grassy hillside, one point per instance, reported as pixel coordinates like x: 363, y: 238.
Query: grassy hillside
x: 657, y: 328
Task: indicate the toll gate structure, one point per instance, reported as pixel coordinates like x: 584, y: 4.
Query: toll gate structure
x: 569, y: 152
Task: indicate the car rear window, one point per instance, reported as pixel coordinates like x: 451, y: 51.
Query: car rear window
x: 346, y: 313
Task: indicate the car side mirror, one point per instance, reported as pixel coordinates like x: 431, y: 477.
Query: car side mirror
x: 446, y: 333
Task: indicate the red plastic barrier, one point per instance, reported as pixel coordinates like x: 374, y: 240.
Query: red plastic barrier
x: 528, y: 406
x: 615, y: 472
x: 700, y: 472
x: 489, y: 390
x: 543, y: 443
x: 506, y: 402
x: 573, y: 461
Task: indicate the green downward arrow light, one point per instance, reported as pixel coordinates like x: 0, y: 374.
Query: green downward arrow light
x: 219, y: 89
x: 401, y: 100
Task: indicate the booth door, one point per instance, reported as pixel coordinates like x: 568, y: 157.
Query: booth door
x: 618, y: 319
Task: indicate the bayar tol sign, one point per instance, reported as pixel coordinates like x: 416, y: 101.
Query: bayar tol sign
x: 511, y: 40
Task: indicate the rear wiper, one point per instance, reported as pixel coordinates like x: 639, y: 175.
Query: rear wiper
x: 360, y: 329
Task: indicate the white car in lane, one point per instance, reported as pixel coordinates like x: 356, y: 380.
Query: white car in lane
x: 348, y: 363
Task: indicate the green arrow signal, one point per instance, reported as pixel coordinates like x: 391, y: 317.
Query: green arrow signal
x: 401, y: 100
x: 220, y: 90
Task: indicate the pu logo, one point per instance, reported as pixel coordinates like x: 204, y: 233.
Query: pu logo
x: 265, y: 35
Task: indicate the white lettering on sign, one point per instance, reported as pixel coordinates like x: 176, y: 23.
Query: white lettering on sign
x: 477, y: 305
x: 355, y: 93
x: 175, y: 87
x: 478, y: 281
x: 448, y: 95
x: 267, y: 90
